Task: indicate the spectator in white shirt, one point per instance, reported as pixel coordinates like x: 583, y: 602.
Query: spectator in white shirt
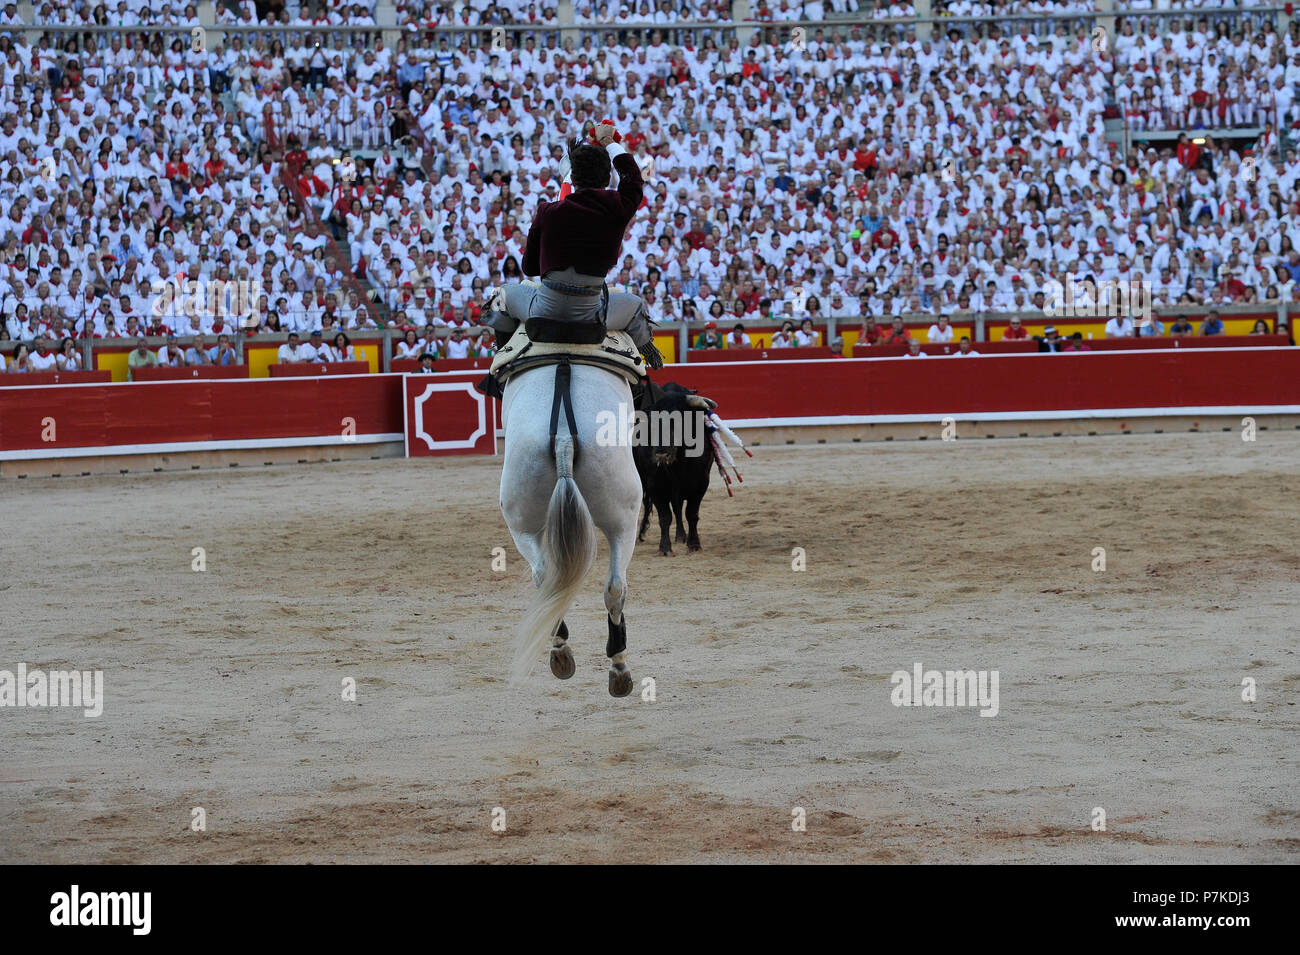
x: 458, y: 344
x: 1121, y: 326
x: 807, y: 335
x: 315, y: 349
x: 940, y: 331
x: 342, y: 349
x: 738, y: 338
x: 410, y: 346
x: 290, y: 351
x: 171, y: 355
x: 42, y: 357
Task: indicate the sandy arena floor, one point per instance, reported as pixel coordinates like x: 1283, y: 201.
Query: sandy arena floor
x: 1119, y: 689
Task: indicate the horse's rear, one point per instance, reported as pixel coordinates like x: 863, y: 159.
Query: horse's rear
x: 554, y: 500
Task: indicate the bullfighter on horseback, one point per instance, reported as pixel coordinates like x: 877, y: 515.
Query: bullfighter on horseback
x: 575, y: 241
x: 552, y: 499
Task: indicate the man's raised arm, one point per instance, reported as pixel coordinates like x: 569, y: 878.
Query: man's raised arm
x: 630, y: 186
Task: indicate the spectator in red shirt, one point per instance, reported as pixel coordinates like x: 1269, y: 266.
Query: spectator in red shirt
x: 869, y: 334
x: 633, y: 140
x: 884, y: 238
x: 1232, y: 285
x: 296, y: 158
x: 1200, y: 102
x: 1016, y: 332
x: 898, y: 334
x: 213, y: 166
x: 864, y: 159
x: 696, y: 236
x: 34, y: 234
x: 177, y: 168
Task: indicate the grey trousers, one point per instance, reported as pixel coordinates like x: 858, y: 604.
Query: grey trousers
x: 510, y: 305
x: 562, y: 307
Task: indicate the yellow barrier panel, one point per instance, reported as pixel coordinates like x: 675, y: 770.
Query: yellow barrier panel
x: 369, y: 352
x: 260, y: 358
x: 114, y: 362
x: 1231, y: 326
x: 667, y: 345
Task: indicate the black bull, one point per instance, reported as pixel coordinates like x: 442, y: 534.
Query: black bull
x: 672, y: 478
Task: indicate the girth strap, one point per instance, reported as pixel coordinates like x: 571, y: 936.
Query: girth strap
x: 563, y: 387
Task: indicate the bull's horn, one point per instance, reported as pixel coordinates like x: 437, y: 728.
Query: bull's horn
x: 700, y: 402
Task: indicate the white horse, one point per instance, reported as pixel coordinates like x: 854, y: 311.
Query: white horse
x: 554, y: 500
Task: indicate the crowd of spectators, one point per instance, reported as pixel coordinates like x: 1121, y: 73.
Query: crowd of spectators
x: 884, y: 175
x: 859, y: 171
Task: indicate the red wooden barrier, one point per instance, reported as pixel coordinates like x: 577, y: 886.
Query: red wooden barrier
x: 1015, y: 347
x: 443, y: 364
x: 1017, y: 385
x: 194, y: 373
x: 313, y: 369
x: 1208, y: 341
x: 21, y: 379
x: 201, y: 415
x: 445, y: 414
x: 280, y: 412
x: 757, y: 354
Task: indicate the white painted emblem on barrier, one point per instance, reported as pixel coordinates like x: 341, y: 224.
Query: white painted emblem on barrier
x: 428, y: 439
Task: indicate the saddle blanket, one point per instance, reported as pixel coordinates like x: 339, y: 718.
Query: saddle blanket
x: 617, y: 353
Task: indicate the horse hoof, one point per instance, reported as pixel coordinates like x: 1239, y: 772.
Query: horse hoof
x: 681, y: 538
x: 620, y: 680
x: 665, y: 552
x: 562, y: 664
x: 694, y: 547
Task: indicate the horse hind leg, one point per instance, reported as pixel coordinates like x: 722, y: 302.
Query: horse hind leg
x: 562, y: 663
x: 620, y: 554
x: 561, y: 659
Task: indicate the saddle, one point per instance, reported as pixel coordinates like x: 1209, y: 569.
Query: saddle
x: 615, y: 351
x: 565, y: 333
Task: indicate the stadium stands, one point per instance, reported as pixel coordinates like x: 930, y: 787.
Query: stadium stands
x: 385, y: 174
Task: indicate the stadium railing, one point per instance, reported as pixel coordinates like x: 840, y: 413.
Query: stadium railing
x: 376, y: 347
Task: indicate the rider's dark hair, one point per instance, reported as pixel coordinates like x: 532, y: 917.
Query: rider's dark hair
x: 589, y: 165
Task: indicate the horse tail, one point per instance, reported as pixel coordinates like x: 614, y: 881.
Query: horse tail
x: 568, y: 551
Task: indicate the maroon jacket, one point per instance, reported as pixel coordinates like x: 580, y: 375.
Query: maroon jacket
x: 584, y: 231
